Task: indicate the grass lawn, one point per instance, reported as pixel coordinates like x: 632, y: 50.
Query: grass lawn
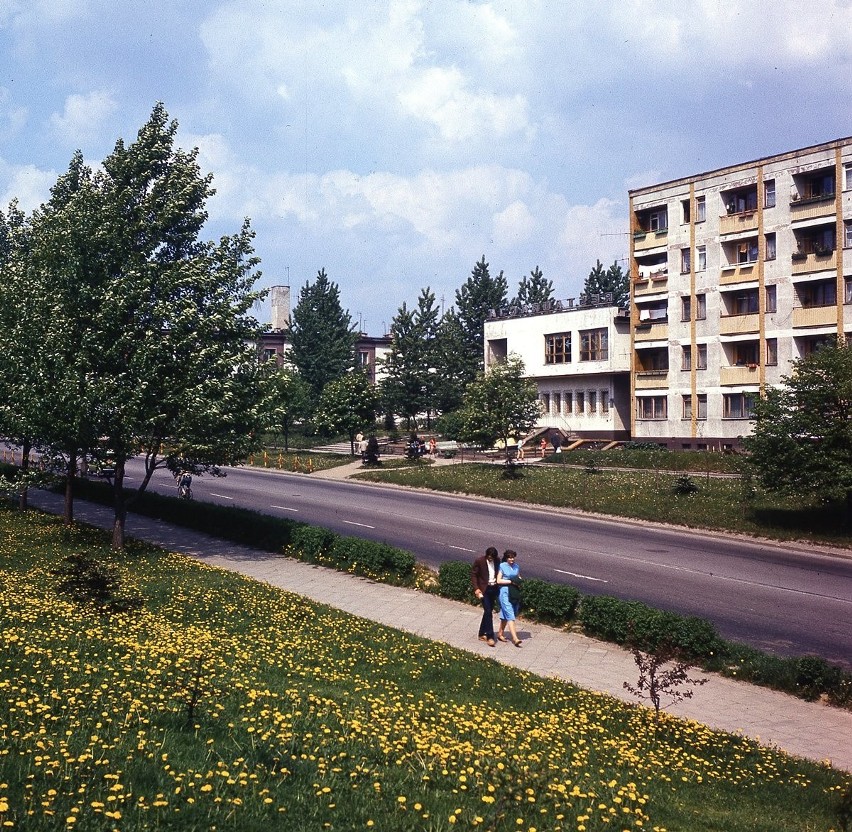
x: 300, y: 461
x: 225, y: 704
x: 724, y: 504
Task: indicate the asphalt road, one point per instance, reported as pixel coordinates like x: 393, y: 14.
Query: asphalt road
x: 791, y: 600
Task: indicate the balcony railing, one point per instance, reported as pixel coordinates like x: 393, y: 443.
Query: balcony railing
x: 813, y: 262
x: 739, y: 324
x: 747, y: 374
x: 734, y: 223
x: 738, y: 272
x: 651, y: 331
x: 649, y: 239
x: 807, y: 208
x: 815, y: 315
x: 650, y: 379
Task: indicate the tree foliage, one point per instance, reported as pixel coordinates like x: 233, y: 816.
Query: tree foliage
x: 533, y: 289
x: 612, y: 280
x: 500, y: 405
x: 802, y: 437
x: 144, y: 329
x: 287, y: 399
x: 322, y: 335
x: 347, y: 404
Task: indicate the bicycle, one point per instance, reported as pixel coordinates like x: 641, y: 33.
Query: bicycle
x: 184, y: 492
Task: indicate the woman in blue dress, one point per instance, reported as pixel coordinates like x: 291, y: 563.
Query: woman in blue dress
x: 508, y: 577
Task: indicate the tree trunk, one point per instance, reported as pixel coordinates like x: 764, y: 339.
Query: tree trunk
x: 119, y: 507
x: 26, y: 447
x: 70, y: 474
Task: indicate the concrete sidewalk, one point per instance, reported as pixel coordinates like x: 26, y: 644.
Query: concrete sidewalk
x: 804, y: 729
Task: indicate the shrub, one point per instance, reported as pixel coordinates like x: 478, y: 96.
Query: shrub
x: 454, y: 580
x: 684, y: 484
x: 312, y: 543
x: 550, y: 603
x: 815, y: 676
x: 374, y: 560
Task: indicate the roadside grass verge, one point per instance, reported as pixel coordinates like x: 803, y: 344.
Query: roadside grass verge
x: 303, y: 462
x: 224, y: 703
x: 653, y: 459
x: 723, y: 504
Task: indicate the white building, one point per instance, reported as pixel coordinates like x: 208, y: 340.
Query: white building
x: 578, y: 355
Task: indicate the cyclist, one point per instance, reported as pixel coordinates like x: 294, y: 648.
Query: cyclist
x: 184, y: 480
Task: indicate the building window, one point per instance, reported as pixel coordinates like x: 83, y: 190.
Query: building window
x: 744, y: 303
x: 686, y: 309
x: 604, y: 402
x: 685, y: 207
x: 701, y: 356
x: 702, y: 406
x: 847, y: 291
x: 687, y: 407
x: 700, y: 306
x: 557, y: 348
x: 769, y: 193
x: 847, y: 235
x: 685, y: 261
x: 771, y: 299
x: 651, y: 407
x: 770, y: 246
x: 847, y: 176
x: 700, y: 209
x: 745, y: 354
x: 686, y: 358
x: 658, y: 220
x: 581, y: 404
x: 593, y: 402
x: 594, y: 345
x: 569, y: 403
x: 363, y: 358
x: 270, y: 354
x: 702, y: 258
x: 772, y: 351
x: 818, y: 294
x: 545, y: 403
x: 737, y: 405
x: 747, y: 252
x: 557, y: 403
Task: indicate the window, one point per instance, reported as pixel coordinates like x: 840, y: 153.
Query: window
x: 604, y: 402
x: 557, y: 348
x: 700, y: 209
x: 702, y: 406
x: 769, y: 193
x: 685, y: 208
x: 702, y: 258
x: 770, y: 246
x: 594, y: 345
x: 737, y: 405
x: 686, y: 309
x: 745, y: 353
x: 685, y: 261
x: 686, y: 358
x: 557, y: 403
x: 847, y: 176
x: 658, y: 220
x: 593, y: 402
x: 363, y: 358
x: 581, y: 404
x: 847, y: 291
x: 651, y: 407
x: 771, y: 299
x: 772, y: 351
x: 746, y: 302
x: 687, y: 407
x: 269, y: 354
x: 569, y: 403
x: 701, y: 357
x: 747, y: 252
x: 545, y: 403
x: 818, y: 294
x: 700, y: 306
x: 847, y: 235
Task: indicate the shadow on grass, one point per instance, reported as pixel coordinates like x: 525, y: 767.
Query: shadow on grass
x: 829, y: 519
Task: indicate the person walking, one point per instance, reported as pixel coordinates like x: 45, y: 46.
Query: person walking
x: 483, y: 579
x: 508, y: 579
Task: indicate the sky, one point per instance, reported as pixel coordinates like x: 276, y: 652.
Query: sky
x: 394, y: 143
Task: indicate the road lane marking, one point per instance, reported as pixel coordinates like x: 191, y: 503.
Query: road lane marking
x: 460, y: 549
x: 220, y: 496
x: 363, y: 525
x: 584, y: 577
x: 285, y: 508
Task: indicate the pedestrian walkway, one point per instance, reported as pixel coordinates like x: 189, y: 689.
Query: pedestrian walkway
x: 804, y: 729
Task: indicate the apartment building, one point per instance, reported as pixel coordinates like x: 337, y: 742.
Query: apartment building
x: 578, y: 354
x: 734, y: 274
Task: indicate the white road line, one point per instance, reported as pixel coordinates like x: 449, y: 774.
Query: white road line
x: 285, y: 508
x: 220, y: 496
x: 461, y: 549
x: 584, y: 577
x: 363, y: 525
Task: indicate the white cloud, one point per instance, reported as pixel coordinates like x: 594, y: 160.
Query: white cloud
x: 513, y: 225
x: 83, y: 116
x: 29, y: 185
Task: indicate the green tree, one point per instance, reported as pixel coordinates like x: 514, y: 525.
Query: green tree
x: 500, y: 405
x: 288, y: 399
x: 323, y: 338
x: 608, y: 281
x: 409, y: 386
x: 802, y: 437
x: 533, y: 289
x: 347, y: 404
x: 145, y: 328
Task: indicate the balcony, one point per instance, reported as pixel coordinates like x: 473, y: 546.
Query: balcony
x: 643, y: 240
x: 737, y: 273
x: 739, y: 324
x: 813, y: 262
x: 747, y: 374
x: 734, y: 223
x: 651, y: 332
x: 651, y: 379
x: 813, y: 207
x: 815, y: 315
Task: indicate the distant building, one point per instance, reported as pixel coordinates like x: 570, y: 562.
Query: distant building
x: 578, y: 354
x: 734, y: 274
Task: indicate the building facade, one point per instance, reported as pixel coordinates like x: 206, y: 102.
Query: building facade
x: 579, y: 356
x: 734, y: 274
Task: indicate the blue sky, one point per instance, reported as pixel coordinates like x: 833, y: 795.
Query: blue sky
x: 394, y: 142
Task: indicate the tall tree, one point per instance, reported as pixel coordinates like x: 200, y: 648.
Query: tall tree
x: 146, y: 328
x: 605, y: 281
x: 347, y: 403
x: 802, y: 437
x: 477, y: 296
x: 500, y: 405
x: 323, y: 337
x: 288, y: 399
x: 409, y: 386
x: 533, y: 289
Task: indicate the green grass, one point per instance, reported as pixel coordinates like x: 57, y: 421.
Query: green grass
x: 307, y: 718
x: 304, y: 462
x: 722, y: 504
x: 663, y: 460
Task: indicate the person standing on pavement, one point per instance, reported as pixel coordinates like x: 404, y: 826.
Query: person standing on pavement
x: 508, y: 579
x: 483, y: 578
